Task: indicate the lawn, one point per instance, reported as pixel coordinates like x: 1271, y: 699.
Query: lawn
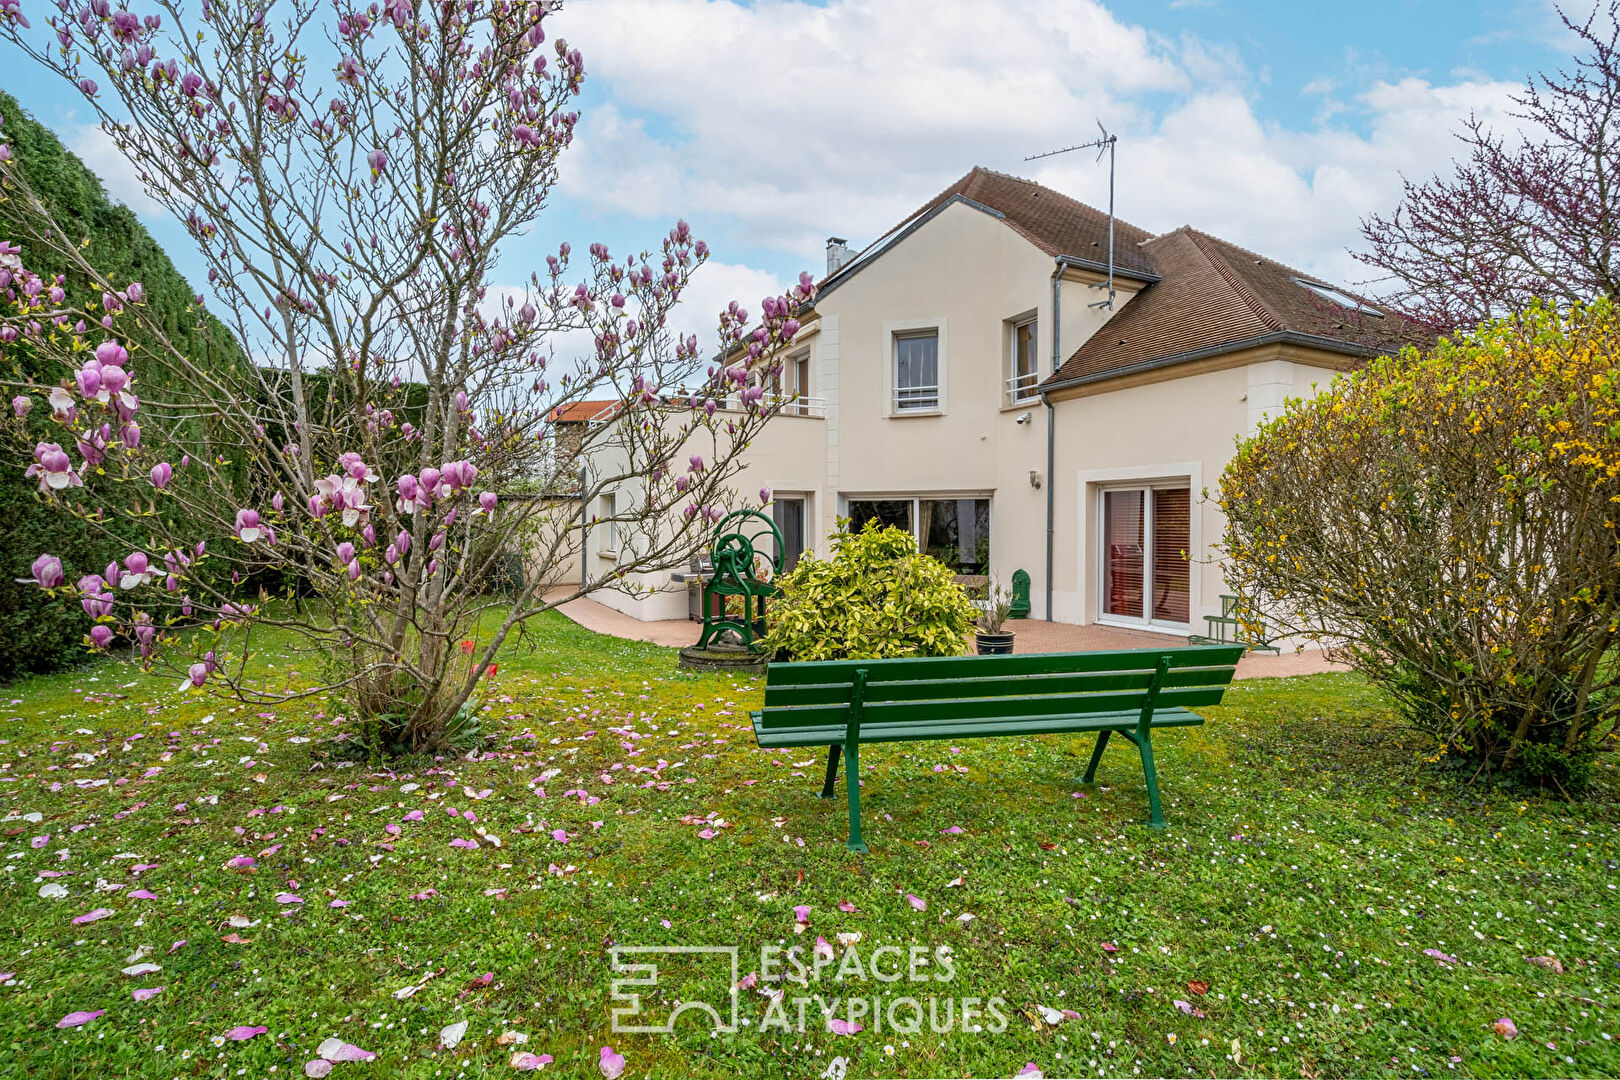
x: 1321, y: 905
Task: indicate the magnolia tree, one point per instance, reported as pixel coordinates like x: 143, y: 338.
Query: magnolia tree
x: 350, y: 182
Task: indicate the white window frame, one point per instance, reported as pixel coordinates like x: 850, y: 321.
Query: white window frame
x: 1094, y: 483
x: 894, y: 330
x: 607, y: 510
x: 916, y: 512
x: 799, y: 395
x: 1020, y: 389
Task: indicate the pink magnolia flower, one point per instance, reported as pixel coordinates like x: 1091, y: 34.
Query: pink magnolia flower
x: 63, y: 407
x: 487, y: 501
x: 100, y: 637
x: 161, y: 472
x: 137, y: 570
x: 611, y: 1064
x: 53, y: 467
x: 22, y: 404
x: 458, y: 474
x: 196, y: 675
x: 378, y: 160
x: 47, y: 570
x: 247, y: 526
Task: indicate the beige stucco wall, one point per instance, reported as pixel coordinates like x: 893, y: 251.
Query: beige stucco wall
x: 968, y: 274
x: 1181, y: 428
x: 788, y: 455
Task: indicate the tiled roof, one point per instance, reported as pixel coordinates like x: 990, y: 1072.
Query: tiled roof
x: 1213, y: 296
x: 580, y: 411
x: 1052, y: 221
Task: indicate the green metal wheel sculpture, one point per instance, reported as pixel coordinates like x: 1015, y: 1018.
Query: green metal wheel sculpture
x: 743, y: 566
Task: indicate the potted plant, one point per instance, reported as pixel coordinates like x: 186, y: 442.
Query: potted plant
x: 994, y: 608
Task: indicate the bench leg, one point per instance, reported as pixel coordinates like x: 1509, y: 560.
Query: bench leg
x: 852, y: 780
x: 832, y: 770
x: 1096, y: 757
x: 1155, y: 813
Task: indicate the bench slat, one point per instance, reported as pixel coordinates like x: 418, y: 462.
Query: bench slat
x: 896, y: 712
x: 812, y: 672
x: 948, y: 729
x: 934, y: 689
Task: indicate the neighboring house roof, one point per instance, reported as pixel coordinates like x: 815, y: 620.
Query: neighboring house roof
x: 1214, y: 297
x: 1053, y: 222
x: 580, y: 412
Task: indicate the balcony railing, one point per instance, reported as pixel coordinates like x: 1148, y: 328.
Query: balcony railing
x: 916, y: 398
x: 1021, y: 388
x: 799, y: 405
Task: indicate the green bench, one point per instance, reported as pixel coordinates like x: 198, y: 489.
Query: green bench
x: 841, y: 704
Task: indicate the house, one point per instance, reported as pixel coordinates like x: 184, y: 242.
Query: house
x: 986, y: 376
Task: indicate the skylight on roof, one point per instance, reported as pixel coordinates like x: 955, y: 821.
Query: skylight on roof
x: 1343, y: 299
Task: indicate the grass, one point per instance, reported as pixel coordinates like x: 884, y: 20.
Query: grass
x: 1308, y: 867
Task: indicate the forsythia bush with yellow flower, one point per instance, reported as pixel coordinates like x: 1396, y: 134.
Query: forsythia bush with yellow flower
x: 1446, y: 521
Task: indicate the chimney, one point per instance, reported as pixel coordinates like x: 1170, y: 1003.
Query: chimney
x: 838, y: 254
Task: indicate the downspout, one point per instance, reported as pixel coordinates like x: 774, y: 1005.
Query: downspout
x: 584, y: 531
x: 1051, y: 429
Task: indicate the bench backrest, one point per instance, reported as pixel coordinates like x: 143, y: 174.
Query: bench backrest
x: 817, y: 693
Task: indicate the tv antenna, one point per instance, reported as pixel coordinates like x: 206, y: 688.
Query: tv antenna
x: 1103, y: 145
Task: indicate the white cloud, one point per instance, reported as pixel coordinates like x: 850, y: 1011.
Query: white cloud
x: 797, y: 121
x: 714, y: 285
x: 96, y: 149
x: 800, y: 121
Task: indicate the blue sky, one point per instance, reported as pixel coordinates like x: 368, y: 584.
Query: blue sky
x: 771, y: 125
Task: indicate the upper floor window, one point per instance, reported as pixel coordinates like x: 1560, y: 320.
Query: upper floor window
x: 916, y: 371
x: 798, y: 376
x: 1023, y: 367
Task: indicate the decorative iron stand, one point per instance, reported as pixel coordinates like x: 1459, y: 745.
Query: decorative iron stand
x: 745, y: 559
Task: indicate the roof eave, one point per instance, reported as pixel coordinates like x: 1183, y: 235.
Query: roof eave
x: 1146, y: 277
x: 1283, y: 337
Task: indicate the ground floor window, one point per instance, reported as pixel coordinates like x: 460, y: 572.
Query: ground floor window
x: 1146, y: 536
x: 954, y: 531
x: 787, y: 511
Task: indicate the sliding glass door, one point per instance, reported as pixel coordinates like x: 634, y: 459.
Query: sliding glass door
x: 1146, y: 537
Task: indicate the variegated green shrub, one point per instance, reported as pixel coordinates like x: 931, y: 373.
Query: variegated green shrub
x: 876, y: 597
